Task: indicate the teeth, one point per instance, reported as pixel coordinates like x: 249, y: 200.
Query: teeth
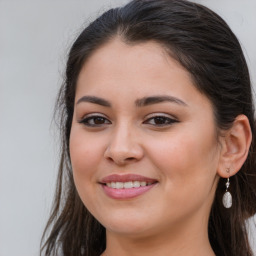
x: 119, y: 185
x: 129, y: 184
x: 136, y: 184
x: 143, y: 183
x: 113, y: 185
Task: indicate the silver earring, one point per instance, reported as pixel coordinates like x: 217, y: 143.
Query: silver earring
x: 227, y: 197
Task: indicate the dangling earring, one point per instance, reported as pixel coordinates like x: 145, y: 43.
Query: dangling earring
x: 227, y: 197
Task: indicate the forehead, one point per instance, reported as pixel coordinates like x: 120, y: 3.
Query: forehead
x: 117, y: 51
x: 143, y: 63
x: 123, y: 73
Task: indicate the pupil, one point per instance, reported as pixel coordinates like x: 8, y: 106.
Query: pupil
x: 98, y: 120
x: 159, y: 120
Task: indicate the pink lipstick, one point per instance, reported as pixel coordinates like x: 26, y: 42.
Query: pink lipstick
x: 126, y: 186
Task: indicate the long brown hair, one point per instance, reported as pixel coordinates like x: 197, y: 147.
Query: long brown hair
x: 205, y: 46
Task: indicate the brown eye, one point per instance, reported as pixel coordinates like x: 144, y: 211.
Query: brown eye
x: 99, y: 120
x: 160, y: 121
x: 95, y: 121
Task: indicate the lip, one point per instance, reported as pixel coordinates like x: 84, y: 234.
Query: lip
x: 126, y: 193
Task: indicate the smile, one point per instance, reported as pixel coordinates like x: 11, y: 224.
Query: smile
x: 129, y: 184
x: 126, y: 186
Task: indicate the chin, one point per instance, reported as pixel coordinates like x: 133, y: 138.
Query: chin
x: 127, y: 224
x: 129, y: 230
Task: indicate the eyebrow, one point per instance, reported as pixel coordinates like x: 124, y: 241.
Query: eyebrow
x: 158, y: 99
x: 145, y: 101
x: 94, y: 100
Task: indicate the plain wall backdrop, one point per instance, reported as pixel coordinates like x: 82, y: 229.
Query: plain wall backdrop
x: 34, y: 40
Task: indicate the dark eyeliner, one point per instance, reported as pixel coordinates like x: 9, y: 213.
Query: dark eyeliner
x: 166, y: 121
x: 86, y: 121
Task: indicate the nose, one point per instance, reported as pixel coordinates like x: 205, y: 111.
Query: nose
x: 124, y: 147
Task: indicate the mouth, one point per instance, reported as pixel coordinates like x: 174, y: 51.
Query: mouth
x: 126, y: 186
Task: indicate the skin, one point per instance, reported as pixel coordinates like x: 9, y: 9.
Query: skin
x: 183, y: 155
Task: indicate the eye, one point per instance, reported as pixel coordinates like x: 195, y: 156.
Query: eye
x: 160, y: 121
x: 95, y: 121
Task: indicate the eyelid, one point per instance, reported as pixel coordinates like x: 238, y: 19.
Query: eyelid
x: 93, y: 114
x: 161, y: 114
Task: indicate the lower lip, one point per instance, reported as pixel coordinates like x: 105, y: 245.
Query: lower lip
x: 126, y: 193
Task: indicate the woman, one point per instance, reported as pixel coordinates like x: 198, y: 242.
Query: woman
x: 158, y: 137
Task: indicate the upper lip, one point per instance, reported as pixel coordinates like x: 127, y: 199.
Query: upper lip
x: 126, y: 178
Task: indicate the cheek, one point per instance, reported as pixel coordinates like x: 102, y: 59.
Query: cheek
x: 187, y: 168
x: 85, y: 154
x: 186, y: 155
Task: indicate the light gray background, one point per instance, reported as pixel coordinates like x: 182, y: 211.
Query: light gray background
x: 34, y: 39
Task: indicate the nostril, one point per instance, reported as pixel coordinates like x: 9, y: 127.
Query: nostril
x: 122, y: 155
x: 110, y: 159
x: 129, y: 158
x: 122, y: 161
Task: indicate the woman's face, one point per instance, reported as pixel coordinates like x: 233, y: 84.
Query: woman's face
x: 143, y: 142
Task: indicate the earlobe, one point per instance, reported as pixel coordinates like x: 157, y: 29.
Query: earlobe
x: 235, y: 147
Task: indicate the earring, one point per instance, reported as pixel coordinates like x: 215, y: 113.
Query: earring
x: 227, y: 197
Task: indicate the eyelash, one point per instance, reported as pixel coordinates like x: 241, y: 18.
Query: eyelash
x: 86, y: 121
x: 166, y: 121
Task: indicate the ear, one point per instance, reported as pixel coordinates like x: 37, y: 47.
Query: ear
x: 235, y: 147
